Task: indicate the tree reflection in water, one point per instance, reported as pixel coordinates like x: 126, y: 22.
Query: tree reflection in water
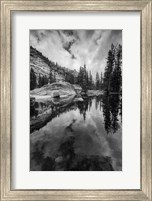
x: 110, y: 105
x: 83, y: 107
x: 112, y: 108
x: 109, y: 109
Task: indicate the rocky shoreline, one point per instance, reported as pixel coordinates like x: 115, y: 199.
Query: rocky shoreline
x: 68, y: 95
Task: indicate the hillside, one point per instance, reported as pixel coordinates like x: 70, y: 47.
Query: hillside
x: 42, y: 66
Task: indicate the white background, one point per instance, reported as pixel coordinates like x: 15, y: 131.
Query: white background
x: 129, y: 178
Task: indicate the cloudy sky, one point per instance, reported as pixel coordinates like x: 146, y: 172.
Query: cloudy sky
x: 74, y: 48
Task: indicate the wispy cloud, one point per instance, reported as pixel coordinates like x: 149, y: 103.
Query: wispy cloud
x: 74, y: 48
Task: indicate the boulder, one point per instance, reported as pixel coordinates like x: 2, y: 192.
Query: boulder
x: 56, y: 89
x: 56, y: 94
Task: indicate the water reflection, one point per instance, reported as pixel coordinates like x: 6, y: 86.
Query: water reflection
x: 112, y: 110
x: 73, y: 134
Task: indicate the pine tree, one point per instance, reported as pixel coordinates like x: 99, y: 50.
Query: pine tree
x: 119, y: 67
x: 87, y: 79
x: 70, y: 78
x: 112, y: 80
x: 90, y: 81
x: 80, y: 76
x: 116, y: 79
x: 97, y: 81
x: 54, y: 77
x: 45, y: 80
x: 40, y: 81
x: 50, y: 77
x: 33, y: 83
x: 101, y: 81
x: 109, y: 69
x: 84, y: 79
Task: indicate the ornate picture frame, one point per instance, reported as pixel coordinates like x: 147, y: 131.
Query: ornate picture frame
x: 145, y: 9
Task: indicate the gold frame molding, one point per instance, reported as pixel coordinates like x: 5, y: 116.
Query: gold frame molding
x: 145, y: 9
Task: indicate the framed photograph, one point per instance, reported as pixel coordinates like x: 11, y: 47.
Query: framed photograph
x: 76, y: 100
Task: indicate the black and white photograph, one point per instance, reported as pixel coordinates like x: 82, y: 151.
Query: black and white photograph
x: 75, y: 100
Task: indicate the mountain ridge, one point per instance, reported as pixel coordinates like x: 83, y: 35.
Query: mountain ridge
x: 42, y: 66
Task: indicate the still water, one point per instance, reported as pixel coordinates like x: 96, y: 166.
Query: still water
x: 72, y: 134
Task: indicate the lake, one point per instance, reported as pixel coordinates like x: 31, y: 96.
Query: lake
x: 76, y: 134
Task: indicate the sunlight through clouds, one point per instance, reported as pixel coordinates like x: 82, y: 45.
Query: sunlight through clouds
x: 74, y: 48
